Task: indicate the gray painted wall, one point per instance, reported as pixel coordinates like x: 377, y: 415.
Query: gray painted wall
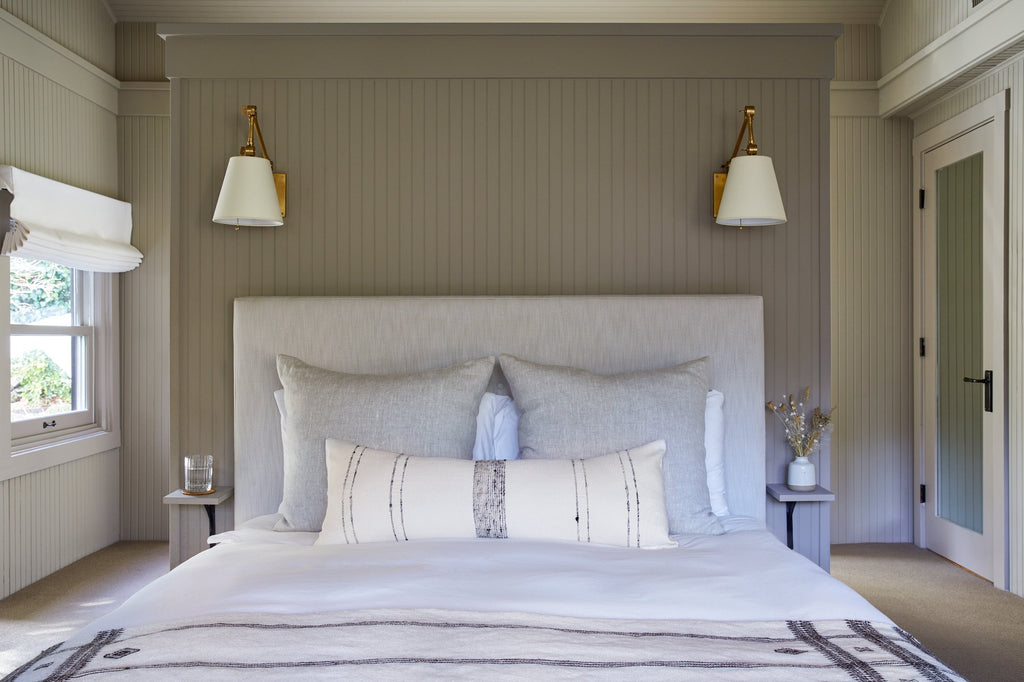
x: 551, y: 184
x: 909, y: 25
x: 870, y: 177
x: 53, y: 517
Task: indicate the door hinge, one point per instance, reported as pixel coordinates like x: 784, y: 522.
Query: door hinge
x: 920, y: 198
x: 924, y: 497
x: 920, y: 347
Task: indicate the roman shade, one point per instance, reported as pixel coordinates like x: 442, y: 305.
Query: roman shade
x: 52, y: 221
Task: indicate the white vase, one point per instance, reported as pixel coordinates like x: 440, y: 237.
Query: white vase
x: 800, y: 474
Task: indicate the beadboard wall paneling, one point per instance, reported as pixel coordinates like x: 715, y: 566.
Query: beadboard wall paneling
x: 909, y: 25
x: 857, y: 53
x: 140, y: 52
x: 144, y: 153
x: 495, y: 187
x: 872, y: 445
x: 54, y: 517
x: 46, y: 129
x: 85, y: 27
x: 1009, y: 76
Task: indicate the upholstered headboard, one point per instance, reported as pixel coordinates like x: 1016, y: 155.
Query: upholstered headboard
x: 606, y: 334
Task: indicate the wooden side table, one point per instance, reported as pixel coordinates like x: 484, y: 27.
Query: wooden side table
x: 179, y: 546
x: 782, y: 493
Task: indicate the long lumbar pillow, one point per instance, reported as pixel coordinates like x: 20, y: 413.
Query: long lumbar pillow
x: 379, y: 496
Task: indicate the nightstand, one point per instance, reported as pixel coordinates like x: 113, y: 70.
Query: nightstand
x: 782, y: 493
x: 187, y: 536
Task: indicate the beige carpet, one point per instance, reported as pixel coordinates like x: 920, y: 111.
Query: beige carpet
x: 47, y: 611
x: 973, y: 627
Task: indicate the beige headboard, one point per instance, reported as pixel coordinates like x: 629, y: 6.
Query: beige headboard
x: 605, y: 334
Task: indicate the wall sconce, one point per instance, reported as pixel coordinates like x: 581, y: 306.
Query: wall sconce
x: 252, y: 194
x: 751, y: 195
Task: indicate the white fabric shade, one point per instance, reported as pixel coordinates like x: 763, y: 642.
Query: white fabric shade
x: 248, y: 196
x: 67, y: 225
x: 751, y: 195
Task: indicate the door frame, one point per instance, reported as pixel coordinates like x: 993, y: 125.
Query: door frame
x: 992, y: 110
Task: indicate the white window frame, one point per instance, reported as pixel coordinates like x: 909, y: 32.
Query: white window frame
x: 83, y: 325
x: 99, y: 433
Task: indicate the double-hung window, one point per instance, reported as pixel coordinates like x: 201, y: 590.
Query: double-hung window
x: 52, y: 350
x: 63, y: 365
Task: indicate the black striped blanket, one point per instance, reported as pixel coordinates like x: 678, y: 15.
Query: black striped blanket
x: 398, y: 644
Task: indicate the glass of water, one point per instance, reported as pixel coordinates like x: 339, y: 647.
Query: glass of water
x: 198, y: 474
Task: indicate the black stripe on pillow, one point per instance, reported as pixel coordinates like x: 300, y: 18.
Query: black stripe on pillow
x: 489, y: 499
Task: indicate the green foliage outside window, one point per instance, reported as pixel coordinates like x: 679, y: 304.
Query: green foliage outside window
x: 39, y: 290
x: 39, y: 384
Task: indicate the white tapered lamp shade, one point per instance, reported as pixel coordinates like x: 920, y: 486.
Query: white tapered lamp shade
x: 248, y: 196
x: 751, y: 195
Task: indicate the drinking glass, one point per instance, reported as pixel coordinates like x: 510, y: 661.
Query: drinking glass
x: 198, y: 474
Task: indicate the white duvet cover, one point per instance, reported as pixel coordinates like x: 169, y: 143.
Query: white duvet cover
x: 268, y: 605
x: 745, y: 574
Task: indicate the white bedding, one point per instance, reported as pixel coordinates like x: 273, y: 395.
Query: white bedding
x: 267, y: 605
x: 745, y: 574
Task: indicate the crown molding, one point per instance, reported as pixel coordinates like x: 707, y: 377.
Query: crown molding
x: 35, y: 51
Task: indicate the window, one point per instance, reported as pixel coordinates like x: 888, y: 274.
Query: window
x: 63, y: 347
x: 51, y: 344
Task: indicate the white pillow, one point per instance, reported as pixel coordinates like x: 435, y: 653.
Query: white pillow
x: 714, y: 451
x: 497, y: 437
x: 379, y: 496
x: 497, y: 429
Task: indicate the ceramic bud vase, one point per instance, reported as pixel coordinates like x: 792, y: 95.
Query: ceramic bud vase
x: 800, y: 474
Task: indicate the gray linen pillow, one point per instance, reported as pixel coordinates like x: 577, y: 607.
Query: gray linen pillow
x: 569, y: 412
x: 431, y: 414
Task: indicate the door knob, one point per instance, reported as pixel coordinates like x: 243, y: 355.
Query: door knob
x: 987, y: 380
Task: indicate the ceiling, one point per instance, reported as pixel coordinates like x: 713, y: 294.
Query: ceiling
x: 486, y: 11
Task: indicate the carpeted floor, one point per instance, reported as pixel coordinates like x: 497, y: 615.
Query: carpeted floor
x: 973, y: 627
x: 970, y: 625
x: 47, y: 611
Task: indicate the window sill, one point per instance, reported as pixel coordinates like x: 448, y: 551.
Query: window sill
x: 28, y: 456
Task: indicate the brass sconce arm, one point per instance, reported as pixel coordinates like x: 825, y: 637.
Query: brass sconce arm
x: 254, y: 124
x: 748, y: 127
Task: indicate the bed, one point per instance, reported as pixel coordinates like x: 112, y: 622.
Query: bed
x: 459, y: 568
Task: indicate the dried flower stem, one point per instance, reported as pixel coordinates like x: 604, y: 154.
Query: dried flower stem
x: 803, y: 437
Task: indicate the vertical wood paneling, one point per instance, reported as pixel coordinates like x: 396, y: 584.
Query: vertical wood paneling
x: 1009, y: 76
x: 83, y: 26
x: 871, y: 325
x: 50, y: 518
x: 909, y: 25
x: 139, y: 52
x: 858, y: 53
x: 56, y: 516
x: 46, y: 129
x: 497, y: 186
x: 144, y: 143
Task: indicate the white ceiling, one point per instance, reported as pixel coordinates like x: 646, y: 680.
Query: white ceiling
x: 486, y: 11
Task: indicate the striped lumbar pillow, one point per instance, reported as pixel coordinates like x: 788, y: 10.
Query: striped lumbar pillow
x: 378, y: 496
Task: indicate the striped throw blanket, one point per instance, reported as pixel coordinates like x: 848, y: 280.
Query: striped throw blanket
x: 424, y: 644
